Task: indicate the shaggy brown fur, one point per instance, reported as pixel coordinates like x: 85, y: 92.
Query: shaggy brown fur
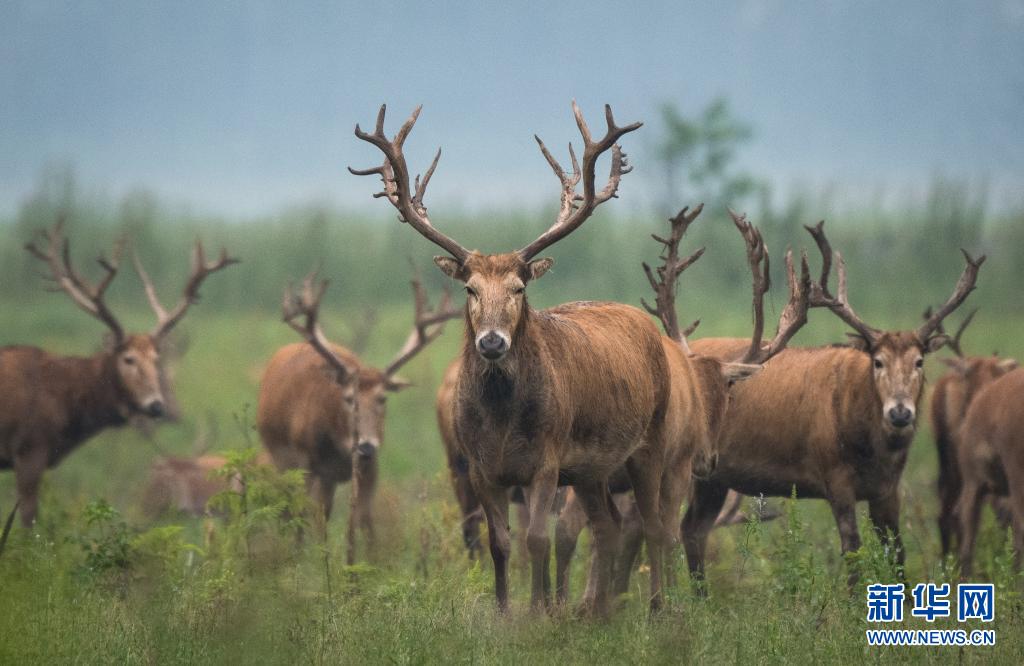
x: 991, y: 458
x: 813, y: 420
x: 568, y: 403
x: 953, y: 394
x: 182, y: 484
x: 50, y: 405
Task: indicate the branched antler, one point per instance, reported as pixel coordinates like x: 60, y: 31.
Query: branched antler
x: 201, y: 269
x: 794, y: 315
x: 575, y: 209
x: 304, y: 305
x: 663, y: 279
x: 954, y: 341
x: 428, y: 324
x: 964, y: 286
x: 838, y: 304
x: 88, y: 297
x: 394, y: 173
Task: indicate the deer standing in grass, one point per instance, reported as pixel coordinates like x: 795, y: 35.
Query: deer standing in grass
x: 50, y: 405
x: 990, y: 456
x: 833, y: 422
x: 700, y: 387
x: 321, y: 409
x: 953, y: 394
x: 565, y: 395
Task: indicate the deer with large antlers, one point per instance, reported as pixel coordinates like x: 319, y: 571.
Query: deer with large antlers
x: 700, y: 387
x: 321, y: 409
x: 833, y: 422
x: 50, y: 405
x: 565, y: 395
x: 952, y: 396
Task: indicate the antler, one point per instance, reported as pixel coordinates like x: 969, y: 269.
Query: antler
x: 838, y: 304
x: 954, y: 341
x: 395, y: 175
x: 85, y: 295
x: 427, y: 325
x: 964, y: 286
x: 575, y: 209
x: 201, y: 269
x: 306, y: 304
x: 794, y: 315
x: 664, y: 285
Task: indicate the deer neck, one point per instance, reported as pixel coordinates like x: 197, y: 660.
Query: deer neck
x: 95, y: 400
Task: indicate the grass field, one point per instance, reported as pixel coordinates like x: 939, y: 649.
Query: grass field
x: 90, y: 586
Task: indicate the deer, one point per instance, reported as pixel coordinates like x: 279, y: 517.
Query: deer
x: 951, y: 397
x: 560, y: 396
x: 990, y: 454
x: 321, y: 409
x: 832, y: 423
x: 51, y: 404
x: 701, y: 386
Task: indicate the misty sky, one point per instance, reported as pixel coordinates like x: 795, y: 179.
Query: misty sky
x: 246, y: 107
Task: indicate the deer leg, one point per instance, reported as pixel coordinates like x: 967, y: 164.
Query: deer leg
x: 495, y: 504
x: 968, y: 509
x: 571, y: 521
x: 538, y: 543
x: 843, y: 503
x: 28, y: 474
x: 949, y: 490
x: 645, y: 477
x: 885, y: 515
x: 674, y: 485
x: 705, y: 505
x: 521, y: 533
x: 364, y: 482
x: 632, y: 539
x: 594, y: 498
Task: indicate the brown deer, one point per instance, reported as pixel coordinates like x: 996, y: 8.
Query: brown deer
x: 565, y: 395
x: 833, y: 423
x: 322, y: 410
x: 50, y: 405
x: 952, y: 395
x: 700, y: 387
x: 990, y: 453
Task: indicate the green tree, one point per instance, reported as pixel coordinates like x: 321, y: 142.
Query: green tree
x: 701, y: 152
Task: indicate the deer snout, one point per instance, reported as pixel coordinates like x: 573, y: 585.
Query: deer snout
x: 154, y: 408
x: 366, y: 449
x: 900, y: 416
x: 492, y: 345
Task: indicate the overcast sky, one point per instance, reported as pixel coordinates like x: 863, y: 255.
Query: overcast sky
x: 246, y: 107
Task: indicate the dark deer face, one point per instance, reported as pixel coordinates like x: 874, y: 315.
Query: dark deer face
x: 975, y: 372
x: 897, y: 368
x: 138, y: 366
x: 495, y: 296
x: 371, y: 409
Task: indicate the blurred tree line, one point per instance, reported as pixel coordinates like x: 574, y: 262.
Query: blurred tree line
x: 900, y: 259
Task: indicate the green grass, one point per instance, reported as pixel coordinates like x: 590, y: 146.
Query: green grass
x: 778, y: 592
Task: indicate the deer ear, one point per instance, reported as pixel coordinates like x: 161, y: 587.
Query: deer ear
x: 957, y: 364
x: 450, y: 267
x: 859, y: 342
x: 935, y: 343
x: 737, y: 372
x: 396, y: 384
x: 1008, y: 364
x: 539, y: 267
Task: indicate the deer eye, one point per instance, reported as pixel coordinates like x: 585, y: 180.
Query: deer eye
x: 919, y: 363
x: 129, y: 360
x: 518, y: 291
x: 878, y: 364
x: 471, y: 291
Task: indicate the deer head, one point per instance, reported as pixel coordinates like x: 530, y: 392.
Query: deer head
x: 897, y: 357
x: 496, y: 283
x: 134, y: 359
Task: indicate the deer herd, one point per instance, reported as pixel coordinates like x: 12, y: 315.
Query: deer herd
x: 586, y: 409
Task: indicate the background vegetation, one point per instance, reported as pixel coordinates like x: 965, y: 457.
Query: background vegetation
x: 99, y: 581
